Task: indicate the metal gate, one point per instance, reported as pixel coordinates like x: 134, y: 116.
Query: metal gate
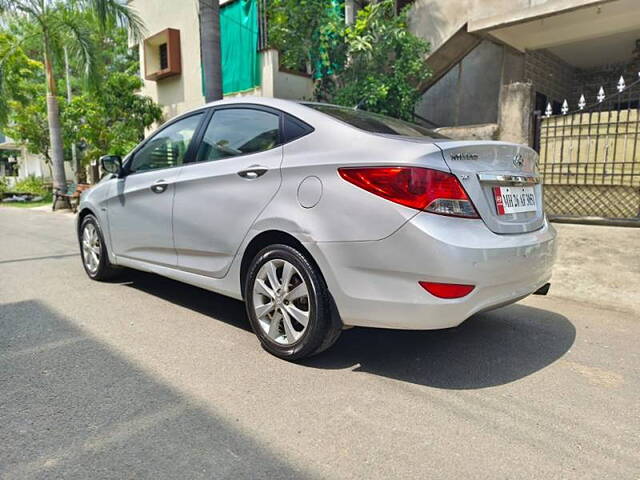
x: 590, y: 157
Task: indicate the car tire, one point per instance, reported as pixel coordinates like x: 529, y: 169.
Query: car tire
x: 283, y: 290
x: 93, y: 251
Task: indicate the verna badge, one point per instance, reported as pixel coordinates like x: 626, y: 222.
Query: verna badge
x: 518, y: 160
x: 464, y: 156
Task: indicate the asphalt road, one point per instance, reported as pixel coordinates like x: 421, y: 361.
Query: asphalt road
x: 149, y: 378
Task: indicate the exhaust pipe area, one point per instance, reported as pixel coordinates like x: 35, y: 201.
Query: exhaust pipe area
x: 543, y: 290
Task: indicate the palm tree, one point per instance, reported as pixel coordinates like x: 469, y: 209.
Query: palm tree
x: 210, y: 49
x: 55, y: 22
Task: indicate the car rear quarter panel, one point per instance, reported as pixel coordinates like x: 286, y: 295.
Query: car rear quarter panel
x: 345, y: 212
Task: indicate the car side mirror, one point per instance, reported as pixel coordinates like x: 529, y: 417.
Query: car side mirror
x: 111, y: 163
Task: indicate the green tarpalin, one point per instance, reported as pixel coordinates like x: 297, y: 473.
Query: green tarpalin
x: 239, y: 46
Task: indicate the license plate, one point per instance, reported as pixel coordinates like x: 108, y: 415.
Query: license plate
x: 514, y: 199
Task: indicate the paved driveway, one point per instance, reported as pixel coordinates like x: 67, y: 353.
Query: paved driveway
x: 149, y: 378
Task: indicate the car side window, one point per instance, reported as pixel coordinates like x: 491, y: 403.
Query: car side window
x: 167, y: 148
x: 239, y: 131
x: 294, y: 128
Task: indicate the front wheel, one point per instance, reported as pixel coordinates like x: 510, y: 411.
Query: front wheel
x: 288, y: 304
x: 93, y: 251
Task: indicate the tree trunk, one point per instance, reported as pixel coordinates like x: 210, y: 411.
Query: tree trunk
x: 210, y: 49
x: 74, y: 153
x: 55, y: 130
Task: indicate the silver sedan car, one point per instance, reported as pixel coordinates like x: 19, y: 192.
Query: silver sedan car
x: 323, y: 218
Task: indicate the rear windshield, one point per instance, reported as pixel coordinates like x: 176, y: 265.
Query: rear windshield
x: 373, y: 122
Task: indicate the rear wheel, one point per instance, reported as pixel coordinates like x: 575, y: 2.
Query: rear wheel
x: 288, y: 304
x: 93, y: 250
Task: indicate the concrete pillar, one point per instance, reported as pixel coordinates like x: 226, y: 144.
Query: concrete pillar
x: 270, y: 67
x: 349, y: 12
x: 515, y: 113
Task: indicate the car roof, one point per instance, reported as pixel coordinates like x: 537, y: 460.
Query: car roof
x: 279, y: 103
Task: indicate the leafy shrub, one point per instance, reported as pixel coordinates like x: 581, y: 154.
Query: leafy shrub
x: 376, y: 64
x: 31, y: 184
x: 3, y: 185
x: 386, y: 68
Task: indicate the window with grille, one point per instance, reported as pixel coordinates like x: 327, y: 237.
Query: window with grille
x: 164, y: 56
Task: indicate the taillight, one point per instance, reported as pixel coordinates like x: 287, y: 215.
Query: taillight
x: 420, y: 188
x: 447, y: 290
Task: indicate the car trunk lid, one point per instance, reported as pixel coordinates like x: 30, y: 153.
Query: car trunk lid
x: 483, y: 167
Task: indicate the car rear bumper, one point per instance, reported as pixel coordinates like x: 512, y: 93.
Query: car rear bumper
x: 375, y: 284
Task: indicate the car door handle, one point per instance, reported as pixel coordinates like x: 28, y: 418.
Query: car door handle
x: 254, y: 171
x: 159, y: 186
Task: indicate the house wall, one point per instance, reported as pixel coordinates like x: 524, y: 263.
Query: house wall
x: 550, y: 75
x: 556, y: 79
x: 30, y: 164
x: 437, y: 20
x: 283, y: 84
x: 294, y: 86
x: 279, y: 83
x: 475, y: 89
x: 589, y: 81
x: 469, y: 93
x: 179, y: 93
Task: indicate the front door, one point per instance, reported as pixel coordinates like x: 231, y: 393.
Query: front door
x: 140, y: 204
x: 235, y: 175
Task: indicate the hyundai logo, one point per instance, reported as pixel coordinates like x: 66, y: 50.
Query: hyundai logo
x: 518, y: 160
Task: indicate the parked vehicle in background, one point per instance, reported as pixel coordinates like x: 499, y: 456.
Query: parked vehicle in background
x: 322, y: 217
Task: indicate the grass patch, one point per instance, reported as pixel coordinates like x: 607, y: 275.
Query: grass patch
x: 26, y: 204
x: 47, y: 200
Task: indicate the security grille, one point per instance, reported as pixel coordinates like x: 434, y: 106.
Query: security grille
x: 590, y: 157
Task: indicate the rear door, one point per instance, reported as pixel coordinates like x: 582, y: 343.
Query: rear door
x: 219, y: 196
x: 502, y: 180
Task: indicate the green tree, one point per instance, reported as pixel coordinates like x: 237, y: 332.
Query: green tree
x: 376, y: 64
x: 23, y: 112
x: 308, y: 34
x: 17, y: 73
x: 29, y: 126
x: 57, y: 22
x: 386, y: 64
x: 113, y: 120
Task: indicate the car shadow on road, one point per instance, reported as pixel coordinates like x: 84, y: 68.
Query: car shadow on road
x: 73, y: 407
x: 207, y: 303
x: 489, y: 349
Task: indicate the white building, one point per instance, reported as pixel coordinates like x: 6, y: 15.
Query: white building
x: 171, y: 61
x: 17, y: 163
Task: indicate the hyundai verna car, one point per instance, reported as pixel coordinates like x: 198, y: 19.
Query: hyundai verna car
x: 323, y: 218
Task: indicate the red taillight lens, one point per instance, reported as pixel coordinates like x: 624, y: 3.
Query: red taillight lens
x: 415, y: 187
x: 447, y: 290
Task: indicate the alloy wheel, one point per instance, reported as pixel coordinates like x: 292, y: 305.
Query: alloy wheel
x: 91, y: 248
x: 281, y: 301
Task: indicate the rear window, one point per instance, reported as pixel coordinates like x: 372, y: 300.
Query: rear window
x: 374, y: 122
x: 294, y: 128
